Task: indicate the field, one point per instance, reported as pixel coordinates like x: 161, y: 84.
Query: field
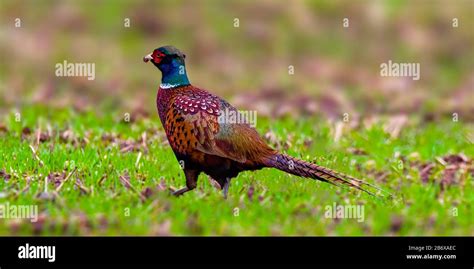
x: 107, y: 176
x: 93, y: 157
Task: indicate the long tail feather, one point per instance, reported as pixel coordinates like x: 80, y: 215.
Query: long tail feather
x: 310, y: 170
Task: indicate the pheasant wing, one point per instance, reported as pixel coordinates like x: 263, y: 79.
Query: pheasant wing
x: 194, y: 123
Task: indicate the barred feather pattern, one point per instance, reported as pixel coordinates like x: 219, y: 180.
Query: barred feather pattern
x: 302, y: 168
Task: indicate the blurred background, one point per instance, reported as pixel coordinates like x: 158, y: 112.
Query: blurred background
x: 242, y: 50
x: 293, y: 62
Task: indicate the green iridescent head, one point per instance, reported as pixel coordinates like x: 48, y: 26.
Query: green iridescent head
x: 170, y: 61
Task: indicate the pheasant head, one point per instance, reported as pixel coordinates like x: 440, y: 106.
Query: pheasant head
x: 170, y: 61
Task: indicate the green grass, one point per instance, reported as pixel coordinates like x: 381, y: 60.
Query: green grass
x: 280, y: 205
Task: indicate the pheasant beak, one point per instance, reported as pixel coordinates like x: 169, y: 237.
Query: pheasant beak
x: 147, y: 58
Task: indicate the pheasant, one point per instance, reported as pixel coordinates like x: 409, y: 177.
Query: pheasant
x: 203, y: 143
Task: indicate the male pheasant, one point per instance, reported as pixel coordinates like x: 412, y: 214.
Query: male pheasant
x: 222, y: 150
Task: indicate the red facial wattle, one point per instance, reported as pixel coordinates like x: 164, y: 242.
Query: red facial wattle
x: 156, y: 57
